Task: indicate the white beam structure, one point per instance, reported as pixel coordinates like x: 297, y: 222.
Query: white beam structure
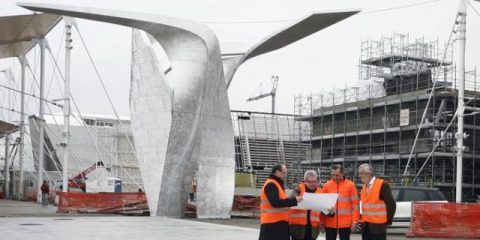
x: 22, y: 127
x: 20, y: 34
x: 66, y: 103
x: 41, y: 114
x: 6, y: 172
x: 462, y: 28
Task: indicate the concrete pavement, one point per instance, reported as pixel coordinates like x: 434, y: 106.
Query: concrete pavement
x: 118, y: 228
x: 9, y: 208
x: 27, y: 220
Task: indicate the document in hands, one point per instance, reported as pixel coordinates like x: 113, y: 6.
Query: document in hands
x: 317, y: 201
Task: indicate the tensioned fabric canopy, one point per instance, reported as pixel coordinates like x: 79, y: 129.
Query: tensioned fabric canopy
x: 7, y: 128
x: 17, y: 32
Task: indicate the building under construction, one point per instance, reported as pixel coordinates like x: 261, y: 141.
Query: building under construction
x: 387, y: 122
x: 263, y: 140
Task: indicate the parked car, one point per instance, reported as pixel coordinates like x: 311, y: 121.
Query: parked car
x: 406, y: 195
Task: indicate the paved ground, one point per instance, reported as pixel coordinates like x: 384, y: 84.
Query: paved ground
x: 26, y: 220
x: 118, y: 228
x: 397, y: 233
x: 10, y: 208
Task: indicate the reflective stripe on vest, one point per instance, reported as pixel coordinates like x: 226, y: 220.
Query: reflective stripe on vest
x: 275, y: 210
x: 314, y: 217
x: 299, y: 216
x: 344, y: 212
x: 374, y: 210
x: 268, y: 213
x: 343, y: 199
x: 375, y: 205
x: 368, y: 213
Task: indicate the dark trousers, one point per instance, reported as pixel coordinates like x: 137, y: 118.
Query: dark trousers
x: 331, y: 233
x: 308, y: 233
x: 274, y: 231
x: 367, y: 235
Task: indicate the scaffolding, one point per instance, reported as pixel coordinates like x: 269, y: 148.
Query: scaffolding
x: 397, y: 55
x: 376, y: 122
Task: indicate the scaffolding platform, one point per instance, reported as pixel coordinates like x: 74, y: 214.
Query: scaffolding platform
x: 391, y: 59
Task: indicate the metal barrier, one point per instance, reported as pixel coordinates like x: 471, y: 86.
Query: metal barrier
x: 246, y: 206
x: 101, y: 202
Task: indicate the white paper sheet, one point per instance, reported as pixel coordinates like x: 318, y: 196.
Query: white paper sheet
x: 317, y: 201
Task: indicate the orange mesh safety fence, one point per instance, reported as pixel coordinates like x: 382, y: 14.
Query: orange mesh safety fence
x: 445, y: 220
x: 101, y: 202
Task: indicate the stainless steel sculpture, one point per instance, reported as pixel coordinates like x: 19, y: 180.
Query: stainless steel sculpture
x: 188, y: 111
x: 181, y: 119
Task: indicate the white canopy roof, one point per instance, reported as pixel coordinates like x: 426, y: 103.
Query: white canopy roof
x: 7, y: 128
x: 17, y: 32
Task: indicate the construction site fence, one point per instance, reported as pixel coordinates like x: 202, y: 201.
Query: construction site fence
x: 246, y: 206
x: 445, y: 220
x: 101, y: 202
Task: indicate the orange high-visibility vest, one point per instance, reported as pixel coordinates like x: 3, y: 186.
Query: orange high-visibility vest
x: 374, y: 210
x: 299, y: 216
x: 347, y: 210
x: 268, y: 213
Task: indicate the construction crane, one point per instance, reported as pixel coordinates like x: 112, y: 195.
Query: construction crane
x: 272, y: 93
x: 78, y: 181
x: 275, y: 125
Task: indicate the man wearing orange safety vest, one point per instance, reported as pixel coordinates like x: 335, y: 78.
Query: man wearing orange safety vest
x: 305, y: 224
x: 274, y: 206
x: 346, y: 214
x: 378, y: 205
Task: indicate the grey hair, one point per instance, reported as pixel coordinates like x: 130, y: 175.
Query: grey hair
x: 310, y: 173
x: 366, y: 167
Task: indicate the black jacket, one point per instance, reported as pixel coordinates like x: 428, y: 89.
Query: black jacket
x: 387, y: 197
x: 278, y: 230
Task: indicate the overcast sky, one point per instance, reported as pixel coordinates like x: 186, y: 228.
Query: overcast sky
x: 320, y: 62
